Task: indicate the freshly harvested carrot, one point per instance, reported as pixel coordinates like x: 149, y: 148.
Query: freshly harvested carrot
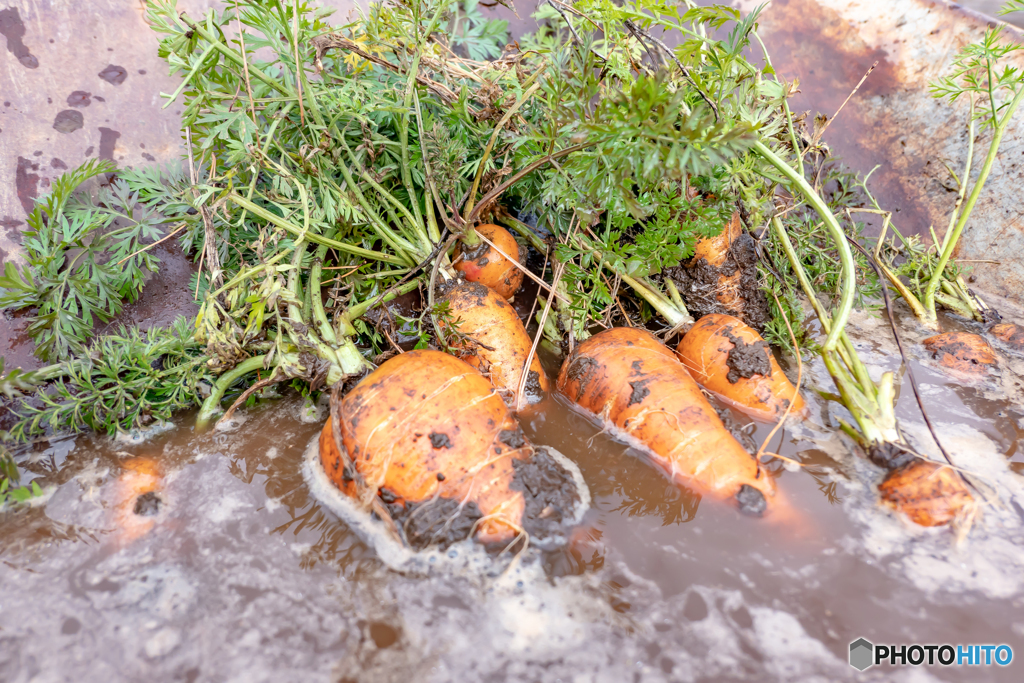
x: 637, y: 386
x: 961, y: 351
x: 722, y: 276
x: 715, y: 250
x: 484, y: 264
x: 929, y: 493
x: 1011, y: 333
x: 730, y: 359
x: 427, y: 425
x: 493, y: 340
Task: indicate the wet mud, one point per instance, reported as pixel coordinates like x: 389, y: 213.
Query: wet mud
x: 701, y: 284
x: 241, y: 570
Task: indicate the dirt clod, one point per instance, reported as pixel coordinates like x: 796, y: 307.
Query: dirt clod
x: 148, y: 504
x: 550, y: 493
x: 746, y: 360
x: 751, y: 501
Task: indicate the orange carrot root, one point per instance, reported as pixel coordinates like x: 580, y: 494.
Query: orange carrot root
x: 961, y: 351
x: 1011, y: 333
x: 731, y: 360
x: 426, y: 425
x: 487, y: 266
x: 493, y: 340
x: 630, y: 379
x: 928, y: 493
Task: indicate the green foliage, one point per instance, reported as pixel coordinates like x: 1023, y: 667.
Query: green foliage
x: 84, y: 259
x: 480, y: 37
x: 979, y: 74
x: 123, y: 380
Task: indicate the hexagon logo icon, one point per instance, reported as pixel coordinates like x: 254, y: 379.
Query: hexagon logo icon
x: 862, y: 654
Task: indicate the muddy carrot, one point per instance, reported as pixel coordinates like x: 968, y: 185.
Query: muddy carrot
x: 484, y: 264
x: 961, y: 351
x: 1011, y: 333
x: 731, y: 360
x: 928, y: 493
x: 491, y: 338
x: 639, y: 389
x: 426, y: 426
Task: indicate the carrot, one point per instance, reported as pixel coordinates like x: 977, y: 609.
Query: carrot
x: 928, y: 493
x: 721, y: 277
x: 1011, y: 333
x: 640, y: 390
x: 731, y: 360
x: 493, y: 340
x: 426, y: 426
x: 961, y: 351
x: 482, y: 263
x: 137, y: 498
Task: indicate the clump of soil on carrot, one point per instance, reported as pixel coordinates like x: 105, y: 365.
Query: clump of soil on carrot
x: 746, y: 360
x: 700, y: 284
x: 437, y: 521
x: 550, y: 493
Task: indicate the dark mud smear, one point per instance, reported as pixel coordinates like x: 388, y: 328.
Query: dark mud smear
x: 108, y: 140
x: 13, y: 28
x: 58, y: 164
x: 114, y: 74
x: 27, y: 183
x: 68, y: 121
x: 79, y: 99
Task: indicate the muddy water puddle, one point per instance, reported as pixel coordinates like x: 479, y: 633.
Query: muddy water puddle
x: 205, y: 557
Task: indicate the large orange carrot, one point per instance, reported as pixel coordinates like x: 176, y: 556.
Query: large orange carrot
x: 492, y: 339
x: 485, y: 265
x: 731, y: 360
x: 637, y: 386
x: 929, y: 493
x: 961, y: 351
x: 426, y: 425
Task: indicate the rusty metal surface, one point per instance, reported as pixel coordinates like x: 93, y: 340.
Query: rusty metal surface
x: 80, y: 80
x: 895, y: 123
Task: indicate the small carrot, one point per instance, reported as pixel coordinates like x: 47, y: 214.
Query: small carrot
x: 493, y: 340
x: 716, y: 250
x: 731, y: 360
x: 137, y: 498
x: 928, y: 493
x: 1011, y: 333
x: 482, y: 263
x: 961, y: 351
x: 639, y: 389
x: 427, y: 425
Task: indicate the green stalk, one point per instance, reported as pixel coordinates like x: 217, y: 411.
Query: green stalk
x: 494, y: 138
x: 211, y: 406
x: 525, y: 231
x: 849, y: 281
x: 432, y: 229
x: 316, y: 298
x: 259, y: 211
x: 672, y: 314
x: 403, y: 132
x: 950, y: 240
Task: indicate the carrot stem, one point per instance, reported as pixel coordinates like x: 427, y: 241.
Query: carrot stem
x: 849, y: 282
